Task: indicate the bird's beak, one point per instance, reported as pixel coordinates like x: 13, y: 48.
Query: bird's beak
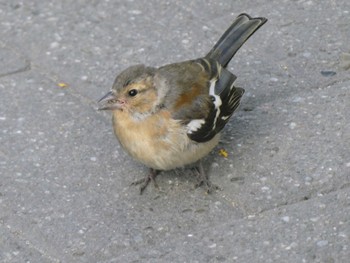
x: 110, y: 102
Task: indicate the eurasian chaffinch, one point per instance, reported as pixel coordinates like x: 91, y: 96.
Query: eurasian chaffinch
x: 171, y: 116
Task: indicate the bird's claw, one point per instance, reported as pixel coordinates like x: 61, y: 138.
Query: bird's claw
x: 143, y: 182
x: 209, y: 186
x: 203, y: 180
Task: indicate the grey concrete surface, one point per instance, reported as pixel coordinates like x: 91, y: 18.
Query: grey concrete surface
x: 64, y: 183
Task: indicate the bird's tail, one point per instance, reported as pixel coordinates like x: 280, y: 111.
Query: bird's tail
x: 241, y: 29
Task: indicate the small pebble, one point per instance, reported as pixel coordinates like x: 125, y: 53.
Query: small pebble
x: 322, y: 243
x: 292, y: 125
x: 328, y: 73
x: 54, y: 45
x: 265, y: 188
x: 135, y: 12
x: 285, y: 219
x: 212, y: 246
x: 306, y: 54
x: 214, y: 165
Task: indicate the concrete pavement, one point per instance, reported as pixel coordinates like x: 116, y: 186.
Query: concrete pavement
x: 64, y: 182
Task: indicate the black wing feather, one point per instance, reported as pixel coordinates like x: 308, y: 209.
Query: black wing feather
x: 218, y: 116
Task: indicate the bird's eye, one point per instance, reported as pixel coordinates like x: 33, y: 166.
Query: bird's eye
x: 132, y: 92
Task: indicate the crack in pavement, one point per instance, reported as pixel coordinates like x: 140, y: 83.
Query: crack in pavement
x: 25, y: 68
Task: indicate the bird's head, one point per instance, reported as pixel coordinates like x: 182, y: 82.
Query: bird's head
x: 133, y: 90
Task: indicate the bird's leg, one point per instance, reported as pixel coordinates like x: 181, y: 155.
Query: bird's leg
x: 203, y: 179
x: 151, y: 176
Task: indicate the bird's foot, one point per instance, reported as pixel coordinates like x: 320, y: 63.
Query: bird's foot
x: 203, y: 180
x: 145, y: 181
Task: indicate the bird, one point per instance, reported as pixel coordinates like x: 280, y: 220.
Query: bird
x: 171, y: 116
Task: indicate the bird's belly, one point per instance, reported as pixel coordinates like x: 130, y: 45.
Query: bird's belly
x: 158, y: 141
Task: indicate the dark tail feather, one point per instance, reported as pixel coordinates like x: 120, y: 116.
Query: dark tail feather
x: 241, y: 29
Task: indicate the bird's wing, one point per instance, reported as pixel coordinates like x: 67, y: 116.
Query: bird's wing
x: 200, y: 93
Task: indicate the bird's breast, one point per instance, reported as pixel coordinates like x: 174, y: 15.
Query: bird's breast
x: 158, y: 141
